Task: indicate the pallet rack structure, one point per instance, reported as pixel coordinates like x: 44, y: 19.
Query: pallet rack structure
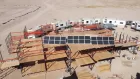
x: 34, y: 56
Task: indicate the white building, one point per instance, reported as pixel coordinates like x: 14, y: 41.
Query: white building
x: 86, y: 21
x: 97, y: 20
x: 118, y: 23
x: 138, y: 26
x: 121, y: 23
x: 61, y: 24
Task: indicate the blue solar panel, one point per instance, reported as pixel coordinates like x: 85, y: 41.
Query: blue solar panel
x: 51, y: 42
x: 70, y: 37
x: 62, y: 42
x: 57, y: 42
x: 105, y: 42
x: 46, y: 37
x: 46, y: 41
x: 81, y: 41
x: 105, y: 38
x: 94, y: 42
x: 93, y: 38
x: 78, y: 40
x: 100, y: 42
x: 57, y: 38
x: 111, y: 42
x: 87, y: 41
x: 81, y: 37
x: 76, y: 37
x: 99, y: 38
x: 70, y: 41
x: 111, y: 38
x: 87, y: 37
x: 51, y: 38
x: 63, y: 38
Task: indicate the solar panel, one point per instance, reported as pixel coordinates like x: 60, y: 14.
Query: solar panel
x: 81, y: 37
x: 46, y: 37
x: 57, y: 42
x: 87, y: 37
x: 99, y: 38
x: 111, y: 38
x: 76, y: 37
x: 94, y: 42
x: 62, y: 42
x: 111, y: 42
x: 87, y: 41
x: 81, y: 41
x: 51, y: 42
x: 100, y: 42
x: 76, y: 41
x: 57, y: 38
x: 45, y: 41
x: 105, y: 38
x: 105, y: 42
x: 54, y: 40
x: 93, y: 38
x: 70, y: 41
x: 70, y: 37
x: 51, y: 38
x: 63, y: 38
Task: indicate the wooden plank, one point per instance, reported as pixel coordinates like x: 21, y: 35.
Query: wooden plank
x: 56, y: 56
x: 84, y: 61
x: 55, y: 65
x: 104, y: 67
x: 32, y: 58
x: 103, y: 55
x: 33, y: 69
x: 84, y: 74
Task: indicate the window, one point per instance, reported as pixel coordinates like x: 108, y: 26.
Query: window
x: 133, y: 23
x: 61, y: 24
x: 110, y: 21
x: 87, y: 21
x: 121, y: 22
x: 96, y: 20
x: 105, y: 21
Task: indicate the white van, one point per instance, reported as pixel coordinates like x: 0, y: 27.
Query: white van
x: 61, y: 24
x: 121, y: 23
x: 109, y: 21
x: 87, y: 21
x: 137, y: 26
x: 133, y: 25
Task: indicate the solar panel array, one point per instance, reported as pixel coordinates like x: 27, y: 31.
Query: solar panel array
x: 78, y: 40
x: 102, y: 40
x: 54, y: 40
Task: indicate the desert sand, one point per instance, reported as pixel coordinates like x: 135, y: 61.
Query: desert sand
x: 16, y: 14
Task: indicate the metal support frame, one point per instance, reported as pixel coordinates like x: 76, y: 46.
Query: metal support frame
x: 25, y: 32
x: 1, y: 58
x: 45, y: 58
x: 69, y: 61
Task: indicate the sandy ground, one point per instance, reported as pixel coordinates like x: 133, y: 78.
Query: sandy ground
x: 20, y: 13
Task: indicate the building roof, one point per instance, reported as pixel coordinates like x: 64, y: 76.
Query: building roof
x: 55, y: 65
x: 30, y: 58
x: 101, y: 55
x: 55, y: 55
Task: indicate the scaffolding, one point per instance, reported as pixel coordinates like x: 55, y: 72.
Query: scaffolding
x: 34, y: 56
